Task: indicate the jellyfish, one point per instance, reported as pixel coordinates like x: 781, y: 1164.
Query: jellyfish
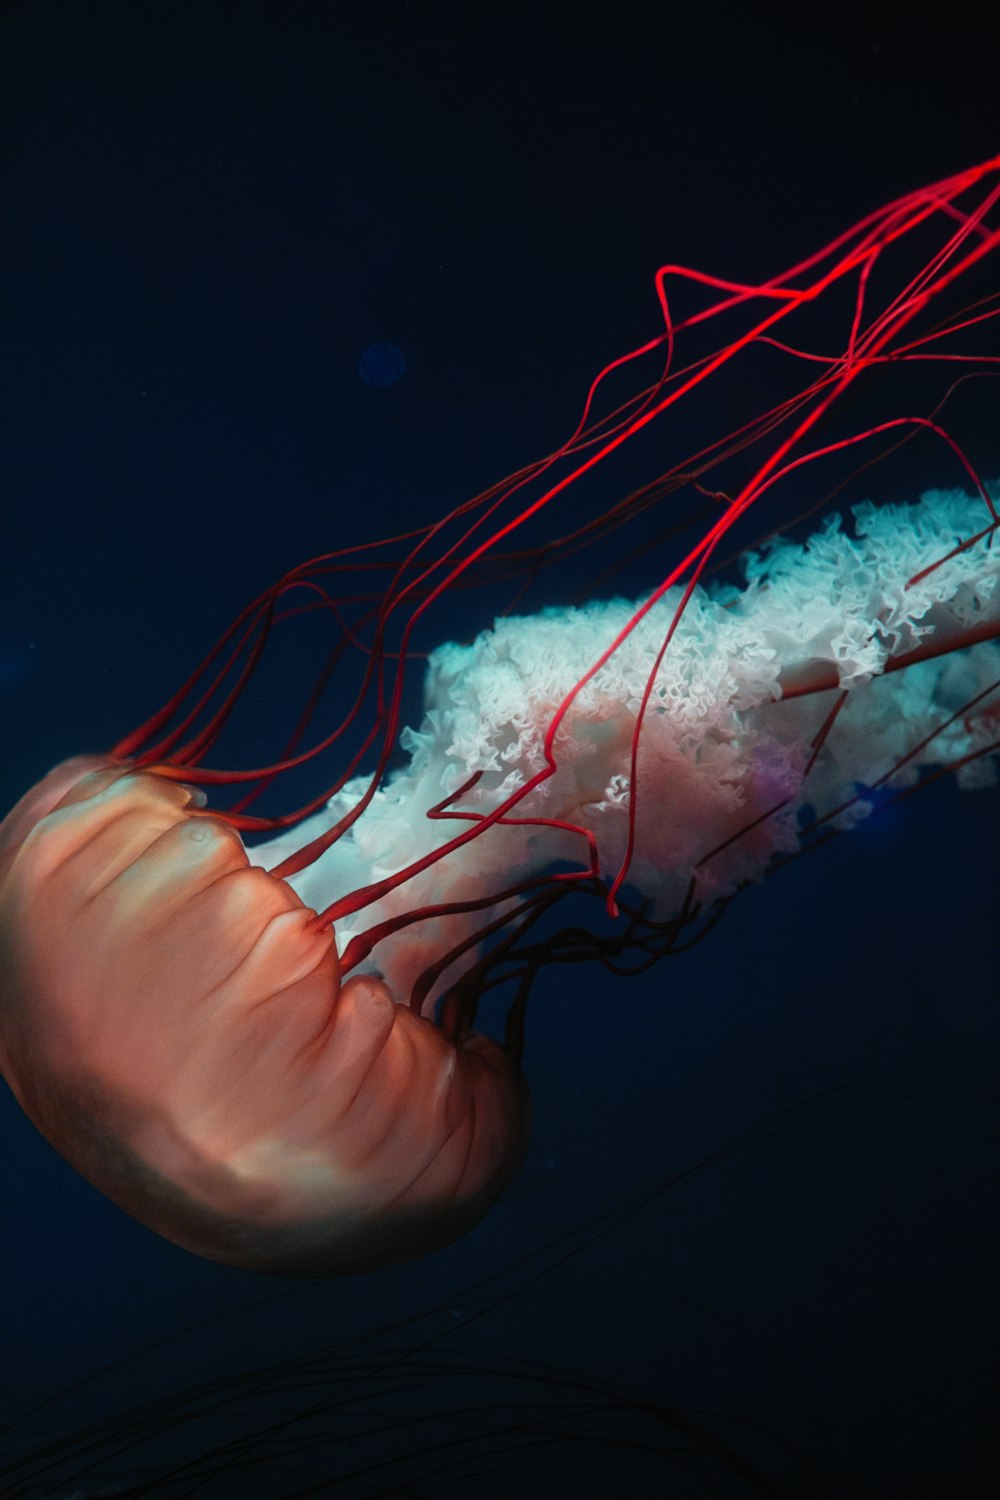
x: 255, y: 1030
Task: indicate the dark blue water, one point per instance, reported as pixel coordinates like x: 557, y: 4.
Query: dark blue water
x: 212, y: 215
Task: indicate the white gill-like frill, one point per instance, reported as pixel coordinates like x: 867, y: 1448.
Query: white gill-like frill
x: 722, y: 785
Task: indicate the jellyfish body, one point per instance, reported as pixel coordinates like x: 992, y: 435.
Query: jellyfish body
x: 175, y: 1024
x: 176, y: 1015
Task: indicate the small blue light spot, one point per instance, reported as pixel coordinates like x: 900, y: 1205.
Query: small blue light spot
x: 381, y: 365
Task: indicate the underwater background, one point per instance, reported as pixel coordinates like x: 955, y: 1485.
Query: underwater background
x: 284, y: 277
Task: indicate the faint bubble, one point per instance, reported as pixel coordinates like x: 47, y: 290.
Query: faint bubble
x: 381, y: 365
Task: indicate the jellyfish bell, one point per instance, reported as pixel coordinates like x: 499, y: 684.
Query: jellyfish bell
x: 176, y: 1025
x: 269, y: 1055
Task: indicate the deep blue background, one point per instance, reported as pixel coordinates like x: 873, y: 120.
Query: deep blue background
x: 211, y: 211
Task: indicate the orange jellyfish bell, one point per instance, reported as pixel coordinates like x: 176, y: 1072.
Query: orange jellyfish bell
x: 174, y: 1021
